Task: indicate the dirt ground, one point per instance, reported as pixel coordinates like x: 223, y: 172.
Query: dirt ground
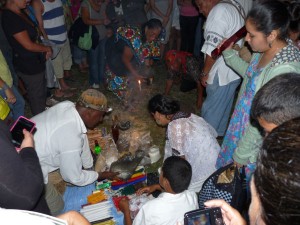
x: 137, y: 113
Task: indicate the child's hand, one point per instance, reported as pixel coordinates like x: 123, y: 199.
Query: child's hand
x: 148, y: 189
x: 124, y: 205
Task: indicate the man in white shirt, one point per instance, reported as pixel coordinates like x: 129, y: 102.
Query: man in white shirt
x: 224, y: 18
x: 171, y: 205
x: 61, y: 142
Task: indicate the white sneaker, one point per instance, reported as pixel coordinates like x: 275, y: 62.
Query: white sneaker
x: 96, y: 86
x: 51, y: 101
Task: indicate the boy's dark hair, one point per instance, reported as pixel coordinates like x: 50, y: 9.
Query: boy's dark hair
x: 277, y: 176
x: 278, y: 100
x: 178, y: 172
x: 163, y: 104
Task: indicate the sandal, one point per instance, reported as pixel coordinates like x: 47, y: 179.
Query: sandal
x: 69, y: 89
x: 65, y: 94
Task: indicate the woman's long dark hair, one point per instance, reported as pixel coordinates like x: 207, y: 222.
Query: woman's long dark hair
x: 150, y: 24
x: 270, y: 15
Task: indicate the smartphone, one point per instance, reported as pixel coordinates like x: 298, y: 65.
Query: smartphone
x: 234, y: 38
x: 212, y: 216
x: 17, y: 130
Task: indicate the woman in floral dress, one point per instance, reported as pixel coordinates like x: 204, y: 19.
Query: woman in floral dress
x: 274, y: 55
x: 130, y: 54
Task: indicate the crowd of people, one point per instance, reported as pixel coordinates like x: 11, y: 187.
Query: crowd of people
x: 262, y: 134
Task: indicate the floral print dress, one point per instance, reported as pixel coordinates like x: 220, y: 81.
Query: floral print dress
x: 141, y: 51
x: 240, y: 117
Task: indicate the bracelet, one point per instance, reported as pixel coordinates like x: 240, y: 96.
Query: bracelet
x: 4, y: 87
x: 202, y: 74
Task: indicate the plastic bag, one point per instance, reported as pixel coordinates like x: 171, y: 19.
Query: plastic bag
x: 141, y: 140
x: 136, y: 203
x: 110, y: 151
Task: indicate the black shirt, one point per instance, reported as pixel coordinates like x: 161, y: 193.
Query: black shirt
x: 25, y: 61
x: 21, y: 177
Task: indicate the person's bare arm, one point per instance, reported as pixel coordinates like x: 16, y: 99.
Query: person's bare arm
x: 85, y: 14
x: 155, y: 9
x: 149, y: 189
x: 10, y: 97
x: 170, y: 8
x: 126, y: 58
x: 24, y: 39
x: 208, y: 64
x: 124, y: 207
x: 38, y: 11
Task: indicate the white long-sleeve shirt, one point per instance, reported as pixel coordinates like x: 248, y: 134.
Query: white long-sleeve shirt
x: 61, y: 143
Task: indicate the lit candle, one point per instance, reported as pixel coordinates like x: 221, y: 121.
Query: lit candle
x: 140, y: 85
x: 150, y: 80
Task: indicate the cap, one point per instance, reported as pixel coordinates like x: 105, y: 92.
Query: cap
x: 93, y: 99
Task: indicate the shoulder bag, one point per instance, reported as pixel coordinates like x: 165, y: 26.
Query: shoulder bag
x: 82, y: 35
x: 227, y: 183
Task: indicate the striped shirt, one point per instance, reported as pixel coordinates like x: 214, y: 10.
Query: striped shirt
x: 54, y: 21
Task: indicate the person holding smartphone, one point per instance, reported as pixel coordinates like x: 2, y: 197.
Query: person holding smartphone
x: 21, y: 177
x: 275, y: 185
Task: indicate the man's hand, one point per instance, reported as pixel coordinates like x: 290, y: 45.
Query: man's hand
x: 203, y: 80
x: 49, y: 53
x: 28, y: 139
x: 107, y: 175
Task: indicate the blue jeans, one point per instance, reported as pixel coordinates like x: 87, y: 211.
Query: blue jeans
x: 217, y: 106
x: 79, y: 55
x: 17, y: 109
x: 96, y: 59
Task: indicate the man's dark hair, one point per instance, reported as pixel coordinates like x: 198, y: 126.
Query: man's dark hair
x: 163, y: 104
x: 178, y: 172
x: 278, y: 100
x: 270, y: 15
x: 277, y: 176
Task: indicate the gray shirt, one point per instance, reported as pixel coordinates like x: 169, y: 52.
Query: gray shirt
x: 97, y: 16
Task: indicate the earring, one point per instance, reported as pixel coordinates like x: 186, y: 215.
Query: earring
x: 270, y: 44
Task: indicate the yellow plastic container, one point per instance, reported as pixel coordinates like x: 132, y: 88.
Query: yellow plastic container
x: 4, y: 109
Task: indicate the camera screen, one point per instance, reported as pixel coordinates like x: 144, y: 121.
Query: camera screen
x: 200, y: 219
x: 17, y: 131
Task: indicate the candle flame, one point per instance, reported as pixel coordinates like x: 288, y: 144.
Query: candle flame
x: 139, y: 81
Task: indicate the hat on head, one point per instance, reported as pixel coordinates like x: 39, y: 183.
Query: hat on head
x: 93, y: 99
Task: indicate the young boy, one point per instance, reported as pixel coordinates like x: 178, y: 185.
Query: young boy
x: 277, y: 101
x: 171, y: 205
